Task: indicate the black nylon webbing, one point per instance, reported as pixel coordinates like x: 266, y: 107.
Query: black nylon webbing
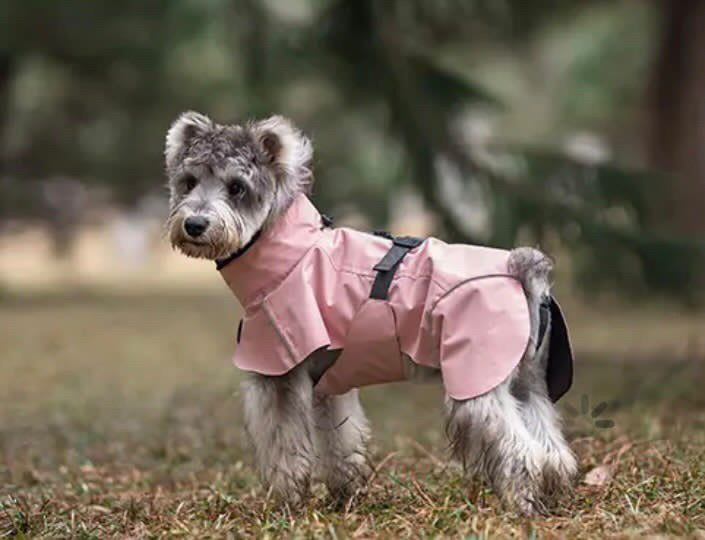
x: 222, y: 263
x: 387, y: 267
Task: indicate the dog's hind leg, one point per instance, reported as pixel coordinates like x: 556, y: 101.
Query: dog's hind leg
x: 541, y: 418
x: 279, y: 421
x: 559, y: 466
x: 342, y: 432
x: 489, y: 436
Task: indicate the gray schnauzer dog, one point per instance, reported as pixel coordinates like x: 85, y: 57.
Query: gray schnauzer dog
x: 238, y: 196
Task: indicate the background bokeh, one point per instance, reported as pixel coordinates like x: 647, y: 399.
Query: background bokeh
x: 577, y: 126
x: 573, y: 125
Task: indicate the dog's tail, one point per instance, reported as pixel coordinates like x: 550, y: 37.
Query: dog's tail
x: 531, y: 268
x: 549, y: 345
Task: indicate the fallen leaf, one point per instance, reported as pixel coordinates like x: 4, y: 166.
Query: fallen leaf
x: 599, y: 476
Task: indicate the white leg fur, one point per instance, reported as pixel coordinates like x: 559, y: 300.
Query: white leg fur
x: 279, y: 421
x: 558, y: 461
x: 541, y: 418
x: 342, y: 433
x: 489, y: 436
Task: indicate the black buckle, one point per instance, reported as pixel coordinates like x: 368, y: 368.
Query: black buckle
x: 407, y: 241
x: 326, y: 221
x: 383, y: 234
x: 387, y: 267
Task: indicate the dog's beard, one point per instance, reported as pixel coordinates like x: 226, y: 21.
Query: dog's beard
x: 217, y: 242
x: 226, y: 233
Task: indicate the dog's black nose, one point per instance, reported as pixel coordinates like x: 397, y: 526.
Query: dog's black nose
x: 195, y: 226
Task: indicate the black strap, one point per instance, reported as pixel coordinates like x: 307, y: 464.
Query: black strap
x: 383, y: 234
x: 326, y: 221
x: 222, y: 263
x: 387, y: 267
x: 559, y: 372
x: 239, y: 331
x: 321, y: 361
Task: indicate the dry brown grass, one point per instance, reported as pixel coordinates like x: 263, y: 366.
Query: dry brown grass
x: 119, y: 418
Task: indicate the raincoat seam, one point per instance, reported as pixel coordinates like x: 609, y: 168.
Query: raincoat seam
x: 428, y: 318
x: 282, y: 337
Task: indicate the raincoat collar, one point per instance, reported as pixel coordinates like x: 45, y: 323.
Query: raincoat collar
x: 267, y: 261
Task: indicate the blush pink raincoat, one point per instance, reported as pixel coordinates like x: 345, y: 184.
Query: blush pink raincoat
x: 305, y: 287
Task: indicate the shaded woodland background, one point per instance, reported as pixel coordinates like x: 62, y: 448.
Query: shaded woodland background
x: 574, y: 125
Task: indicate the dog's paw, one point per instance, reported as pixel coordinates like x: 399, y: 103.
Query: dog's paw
x: 293, y: 496
x: 519, y: 485
x: 288, y: 485
x: 524, y: 499
x: 558, y: 474
x: 349, y: 478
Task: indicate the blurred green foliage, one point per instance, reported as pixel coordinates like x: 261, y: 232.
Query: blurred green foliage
x: 88, y: 89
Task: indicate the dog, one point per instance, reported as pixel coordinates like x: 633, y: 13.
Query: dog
x: 328, y: 310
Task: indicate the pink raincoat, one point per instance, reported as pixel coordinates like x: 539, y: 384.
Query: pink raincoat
x: 305, y: 287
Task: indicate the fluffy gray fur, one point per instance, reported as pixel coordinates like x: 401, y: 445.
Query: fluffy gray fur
x: 240, y: 178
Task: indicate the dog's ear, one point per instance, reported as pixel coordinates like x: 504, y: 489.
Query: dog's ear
x: 184, y: 128
x: 284, y: 145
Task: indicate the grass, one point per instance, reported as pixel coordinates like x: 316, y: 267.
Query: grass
x: 119, y: 417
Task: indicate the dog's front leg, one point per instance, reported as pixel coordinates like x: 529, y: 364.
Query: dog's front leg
x: 342, y: 432
x: 279, y: 421
x: 489, y: 436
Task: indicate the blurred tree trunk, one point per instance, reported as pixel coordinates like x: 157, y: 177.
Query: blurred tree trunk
x: 6, y: 72
x: 677, y: 105
x: 252, y: 21
x: 5, y: 81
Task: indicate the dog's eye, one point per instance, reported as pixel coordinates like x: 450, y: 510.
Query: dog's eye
x: 236, y: 190
x: 189, y: 182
